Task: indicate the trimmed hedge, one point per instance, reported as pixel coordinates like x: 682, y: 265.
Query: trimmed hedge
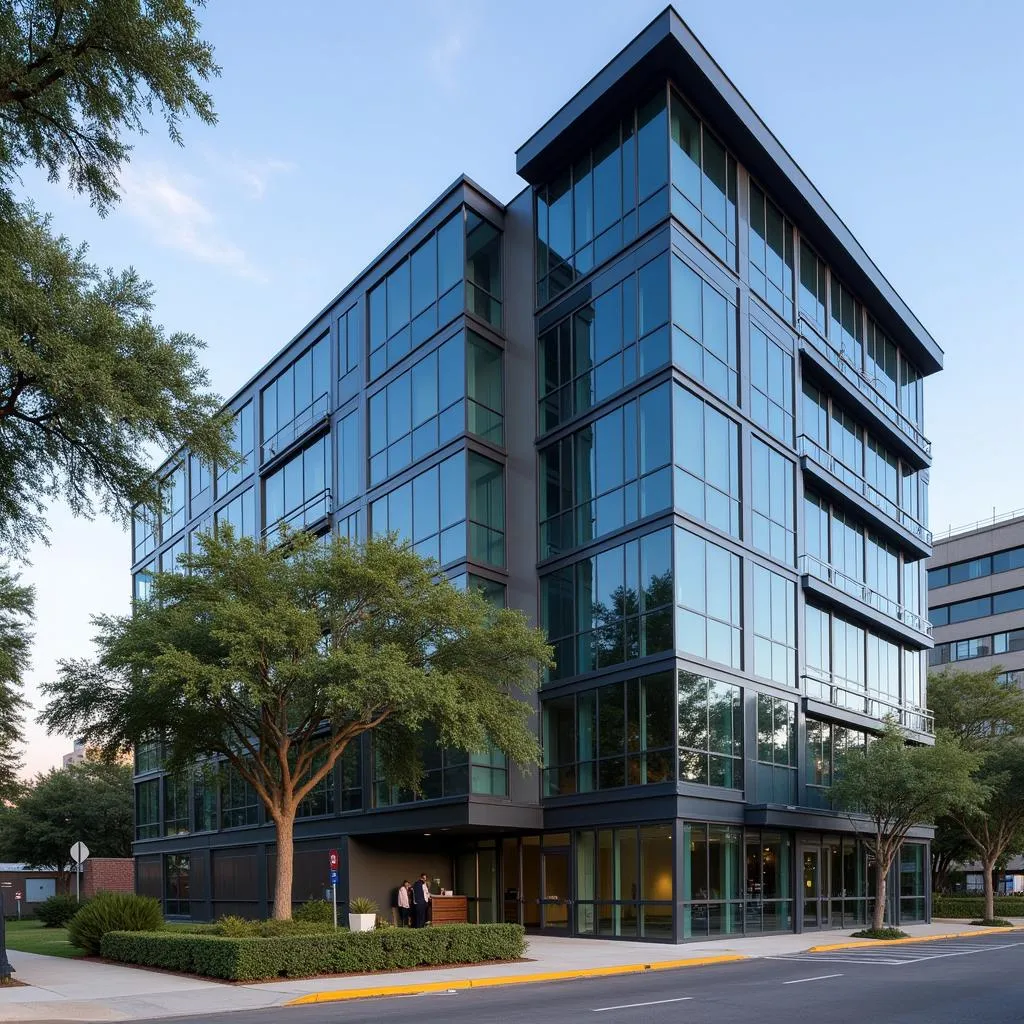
x: 974, y: 906
x: 299, y: 956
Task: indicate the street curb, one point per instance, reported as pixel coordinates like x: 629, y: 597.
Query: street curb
x: 862, y: 943
x: 340, y: 995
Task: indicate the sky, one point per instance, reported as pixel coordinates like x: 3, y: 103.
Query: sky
x: 340, y: 122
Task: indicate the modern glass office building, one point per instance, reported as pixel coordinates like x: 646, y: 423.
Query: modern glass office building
x: 664, y: 402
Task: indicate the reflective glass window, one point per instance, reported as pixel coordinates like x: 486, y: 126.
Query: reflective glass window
x: 703, y: 182
x: 175, y: 502
x: 169, y: 556
x: 297, y: 494
x: 771, y: 385
x: 239, y: 514
x: 847, y: 328
x: 706, y: 454
x: 147, y: 809
x: 770, y: 245
x: 349, y: 341
x: 707, y: 599
x: 710, y: 731
x: 483, y: 269
x: 774, y: 626
x: 297, y: 398
x: 484, y: 389
x: 882, y: 368
x: 704, y: 340
x: 776, y: 750
x: 813, y: 285
x: 200, y: 485
x: 145, y: 533
x: 244, y: 443
x: 239, y: 804
x: 772, y: 516
x: 486, y: 510
x: 350, y: 457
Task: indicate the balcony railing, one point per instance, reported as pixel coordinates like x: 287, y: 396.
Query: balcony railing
x: 864, y: 385
x: 303, y: 420
x: 832, y: 465
x: 310, y: 511
x: 812, y: 566
x: 845, y: 693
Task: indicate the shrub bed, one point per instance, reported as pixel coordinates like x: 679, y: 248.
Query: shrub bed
x: 974, y: 906
x: 56, y: 911
x: 113, y: 911
x: 297, y: 956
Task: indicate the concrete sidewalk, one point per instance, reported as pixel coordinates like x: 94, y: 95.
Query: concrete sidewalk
x: 58, y: 989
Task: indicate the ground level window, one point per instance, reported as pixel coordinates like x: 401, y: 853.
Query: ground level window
x: 176, y: 883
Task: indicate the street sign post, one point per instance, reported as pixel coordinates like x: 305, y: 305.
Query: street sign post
x: 332, y: 860
x: 79, y: 854
x: 17, y: 899
x: 6, y: 970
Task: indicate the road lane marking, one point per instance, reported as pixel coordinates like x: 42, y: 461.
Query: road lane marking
x: 821, y: 977
x: 633, y: 1006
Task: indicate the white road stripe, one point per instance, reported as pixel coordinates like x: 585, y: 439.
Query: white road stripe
x: 631, y: 1006
x: 821, y: 977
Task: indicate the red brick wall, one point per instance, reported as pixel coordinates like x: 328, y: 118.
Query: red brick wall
x: 108, y: 874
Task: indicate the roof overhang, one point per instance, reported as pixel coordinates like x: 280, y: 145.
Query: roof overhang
x: 667, y: 49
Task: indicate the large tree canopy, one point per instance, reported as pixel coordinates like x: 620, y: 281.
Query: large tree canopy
x: 89, y: 385
x: 985, y: 716
x: 896, y: 786
x: 16, y: 604
x: 77, y: 76
x: 92, y: 802
x: 275, y: 659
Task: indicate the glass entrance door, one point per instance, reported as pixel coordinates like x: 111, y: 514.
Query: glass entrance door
x: 812, y: 888
x: 555, y: 900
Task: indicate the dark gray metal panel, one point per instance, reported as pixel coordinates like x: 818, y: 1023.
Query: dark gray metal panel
x: 668, y: 49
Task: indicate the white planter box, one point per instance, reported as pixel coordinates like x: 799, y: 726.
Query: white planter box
x: 362, y: 922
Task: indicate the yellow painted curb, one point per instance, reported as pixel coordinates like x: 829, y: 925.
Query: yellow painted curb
x: 338, y: 995
x: 864, y: 943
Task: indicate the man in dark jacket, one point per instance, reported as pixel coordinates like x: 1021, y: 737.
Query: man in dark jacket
x: 420, y: 901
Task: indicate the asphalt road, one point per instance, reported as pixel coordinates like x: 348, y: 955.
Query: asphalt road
x: 957, y: 981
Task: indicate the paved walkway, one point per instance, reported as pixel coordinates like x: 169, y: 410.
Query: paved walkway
x: 58, y: 989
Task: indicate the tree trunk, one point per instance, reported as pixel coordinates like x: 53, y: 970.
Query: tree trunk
x: 988, y: 870
x: 881, y: 879
x: 285, y: 865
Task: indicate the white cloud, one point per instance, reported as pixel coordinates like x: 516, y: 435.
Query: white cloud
x: 178, y: 219
x: 252, y: 174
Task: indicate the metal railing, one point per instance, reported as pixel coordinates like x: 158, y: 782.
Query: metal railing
x: 994, y: 520
x: 310, y: 511
x: 302, y: 421
x: 844, y: 693
x: 865, y: 386
x: 828, y: 462
x: 813, y: 566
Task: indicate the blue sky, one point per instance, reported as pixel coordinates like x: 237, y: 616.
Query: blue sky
x: 340, y: 122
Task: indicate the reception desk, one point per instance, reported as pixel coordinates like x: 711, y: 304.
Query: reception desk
x: 449, y: 909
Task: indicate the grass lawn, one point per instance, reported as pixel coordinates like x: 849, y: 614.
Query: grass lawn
x: 32, y: 937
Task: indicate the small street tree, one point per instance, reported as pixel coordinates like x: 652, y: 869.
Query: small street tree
x: 91, y: 801
x: 895, y: 786
x: 986, y: 717
x: 275, y: 659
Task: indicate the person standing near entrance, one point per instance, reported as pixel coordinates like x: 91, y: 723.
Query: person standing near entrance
x: 420, y: 901
x: 404, y: 909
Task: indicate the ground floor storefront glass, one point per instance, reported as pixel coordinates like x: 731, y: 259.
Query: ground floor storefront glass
x: 719, y: 880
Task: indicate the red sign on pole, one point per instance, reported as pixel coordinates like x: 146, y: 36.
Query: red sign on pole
x: 17, y: 895
x: 333, y: 857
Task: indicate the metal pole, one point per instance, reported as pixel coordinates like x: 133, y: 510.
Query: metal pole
x: 78, y: 882
x: 6, y: 970
x: 334, y: 902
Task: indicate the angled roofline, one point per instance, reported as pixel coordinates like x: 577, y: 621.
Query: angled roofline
x: 667, y: 48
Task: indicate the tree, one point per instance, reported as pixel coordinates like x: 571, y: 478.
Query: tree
x: 16, y: 604
x: 76, y: 76
x: 89, y: 384
x: 91, y: 802
x: 275, y: 659
x: 895, y: 787
x: 986, y: 717
x: 949, y: 848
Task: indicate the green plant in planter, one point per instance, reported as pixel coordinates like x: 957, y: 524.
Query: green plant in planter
x: 362, y: 905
